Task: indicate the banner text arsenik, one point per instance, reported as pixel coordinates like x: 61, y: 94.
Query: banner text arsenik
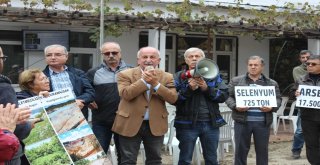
x: 310, y: 92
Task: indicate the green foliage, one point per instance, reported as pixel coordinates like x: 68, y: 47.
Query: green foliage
x: 111, y: 29
x: 127, y: 5
x: 183, y: 10
x: 48, y: 154
x: 259, y: 24
x: 82, y: 162
x: 78, y: 5
x: 30, y: 4
x: 41, y: 131
x: 49, y: 3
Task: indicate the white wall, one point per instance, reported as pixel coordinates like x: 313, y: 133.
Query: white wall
x: 314, y: 46
x: 34, y: 59
x: 249, y: 47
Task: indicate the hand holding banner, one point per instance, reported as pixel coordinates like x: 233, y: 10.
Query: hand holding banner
x: 309, y: 97
x: 255, y: 96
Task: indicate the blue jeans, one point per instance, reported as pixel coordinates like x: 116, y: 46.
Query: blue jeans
x: 298, y: 139
x: 104, y: 134
x: 242, y: 136
x: 209, y: 138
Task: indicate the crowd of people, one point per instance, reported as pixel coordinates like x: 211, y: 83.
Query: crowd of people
x: 128, y: 105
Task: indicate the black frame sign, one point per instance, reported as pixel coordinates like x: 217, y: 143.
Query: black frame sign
x: 37, y: 40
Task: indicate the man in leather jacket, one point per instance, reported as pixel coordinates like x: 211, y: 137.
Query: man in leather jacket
x: 254, y: 121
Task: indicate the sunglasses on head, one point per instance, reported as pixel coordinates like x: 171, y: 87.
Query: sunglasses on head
x: 311, y: 64
x: 108, y: 53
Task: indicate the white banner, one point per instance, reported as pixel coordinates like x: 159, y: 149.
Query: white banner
x: 309, y: 97
x: 61, y: 134
x: 255, y: 96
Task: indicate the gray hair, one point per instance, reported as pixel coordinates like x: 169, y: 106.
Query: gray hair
x: 303, y: 52
x: 314, y: 57
x: 192, y: 50
x: 256, y: 58
x: 106, y: 43
x: 139, y: 52
x: 55, y: 46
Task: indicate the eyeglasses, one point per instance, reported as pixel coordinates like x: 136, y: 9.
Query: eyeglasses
x: 311, y: 64
x: 54, y: 54
x: 108, y: 53
x: 4, y: 58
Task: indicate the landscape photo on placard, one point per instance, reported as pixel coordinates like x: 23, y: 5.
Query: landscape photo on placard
x: 45, y: 151
x: 83, y: 146
x: 65, y: 116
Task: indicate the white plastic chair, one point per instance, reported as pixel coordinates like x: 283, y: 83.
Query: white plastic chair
x: 293, y: 119
x: 226, y: 134
x: 280, y: 112
x: 167, y: 141
x: 112, y: 150
x: 223, y: 108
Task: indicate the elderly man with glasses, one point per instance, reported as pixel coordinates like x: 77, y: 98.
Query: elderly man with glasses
x: 63, y: 76
x: 310, y: 117
x: 104, y: 80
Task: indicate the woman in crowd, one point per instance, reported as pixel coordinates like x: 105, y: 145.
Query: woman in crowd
x: 32, y: 82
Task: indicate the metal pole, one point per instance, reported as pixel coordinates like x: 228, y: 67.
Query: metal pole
x: 101, y: 22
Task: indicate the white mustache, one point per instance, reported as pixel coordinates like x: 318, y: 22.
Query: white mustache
x: 148, y: 63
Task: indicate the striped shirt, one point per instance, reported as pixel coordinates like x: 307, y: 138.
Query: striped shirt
x: 254, y: 113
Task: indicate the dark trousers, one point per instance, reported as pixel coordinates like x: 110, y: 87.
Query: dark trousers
x: 243, y: 133
x: 130, y: 146
x: 311, y: 133
x: 104, y: 134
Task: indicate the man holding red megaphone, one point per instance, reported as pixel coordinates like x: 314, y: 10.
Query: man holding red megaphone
x: 200, y: 90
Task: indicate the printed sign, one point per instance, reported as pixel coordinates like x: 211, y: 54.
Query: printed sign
x: 309, y: 97
x: 61, y: 135
x: 255, y: 96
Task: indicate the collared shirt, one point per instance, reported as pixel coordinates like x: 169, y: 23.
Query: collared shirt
x: 60, y: 80
x: 146, y: 115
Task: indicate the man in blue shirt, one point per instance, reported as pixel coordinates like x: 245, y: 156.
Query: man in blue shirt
x: 63, y: 76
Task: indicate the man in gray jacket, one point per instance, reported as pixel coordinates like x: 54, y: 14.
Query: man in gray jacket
x: 298, y: 72
x: 254, y: 121
x: 104, y: 80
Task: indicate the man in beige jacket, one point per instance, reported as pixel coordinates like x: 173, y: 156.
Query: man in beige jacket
x: 142, y: 114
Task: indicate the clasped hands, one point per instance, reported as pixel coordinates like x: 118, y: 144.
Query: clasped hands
x: 197, y: 82
x: 10, y: 116
x: 150, y: 76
